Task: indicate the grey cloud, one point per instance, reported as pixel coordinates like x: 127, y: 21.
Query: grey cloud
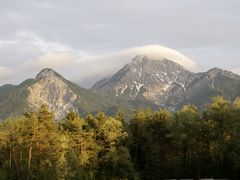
x: 206, y: 31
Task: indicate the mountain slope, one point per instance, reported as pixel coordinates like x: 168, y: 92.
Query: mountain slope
x: 154, y: 76
x: 215, y: 82
x: 147, y: 78
x: 168, y: 84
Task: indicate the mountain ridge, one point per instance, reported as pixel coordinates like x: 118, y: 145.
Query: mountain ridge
x: 142, y: 83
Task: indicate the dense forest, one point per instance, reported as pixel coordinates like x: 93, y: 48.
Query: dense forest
x: 149, y: 145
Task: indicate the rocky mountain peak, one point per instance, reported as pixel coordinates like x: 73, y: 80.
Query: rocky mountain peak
x: 143, y: 61
x: 48, y: 73
x: 140, y: 58
x: 146, y: 76
x: 51, y: 89
x: 214, y: 72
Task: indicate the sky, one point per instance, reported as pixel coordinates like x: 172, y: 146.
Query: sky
x: 87, y: 40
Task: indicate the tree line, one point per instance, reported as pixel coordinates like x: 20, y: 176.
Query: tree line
x: 149, y: 145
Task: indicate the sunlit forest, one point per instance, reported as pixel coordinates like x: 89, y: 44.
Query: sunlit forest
x: 149, y: 145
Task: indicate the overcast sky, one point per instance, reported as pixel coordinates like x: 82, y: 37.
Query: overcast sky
x: 86, y: 40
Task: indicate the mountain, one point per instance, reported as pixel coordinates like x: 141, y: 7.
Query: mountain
x: 168, y: 84
x: 61, y: 96
x: 144, y: 82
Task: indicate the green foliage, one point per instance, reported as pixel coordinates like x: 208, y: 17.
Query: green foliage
x: 151, y: 145
x: 186, y: 144
x: 36, y: 147
x: 33, y: 147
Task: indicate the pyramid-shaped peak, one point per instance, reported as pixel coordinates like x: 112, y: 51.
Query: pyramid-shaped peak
x: 145, y: 60
x: 214, y: 71
x: 139, y: 58
x: 47, y: 72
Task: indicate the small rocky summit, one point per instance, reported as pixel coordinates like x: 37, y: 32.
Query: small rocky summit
x: 52, y: 89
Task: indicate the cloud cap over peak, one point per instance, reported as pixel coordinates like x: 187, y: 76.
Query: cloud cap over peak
x: 159, y: 52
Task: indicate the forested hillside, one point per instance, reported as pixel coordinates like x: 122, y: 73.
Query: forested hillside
x: 149, y: 145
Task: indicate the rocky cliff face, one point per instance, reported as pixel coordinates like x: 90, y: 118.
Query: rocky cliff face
x: 52, y: 89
